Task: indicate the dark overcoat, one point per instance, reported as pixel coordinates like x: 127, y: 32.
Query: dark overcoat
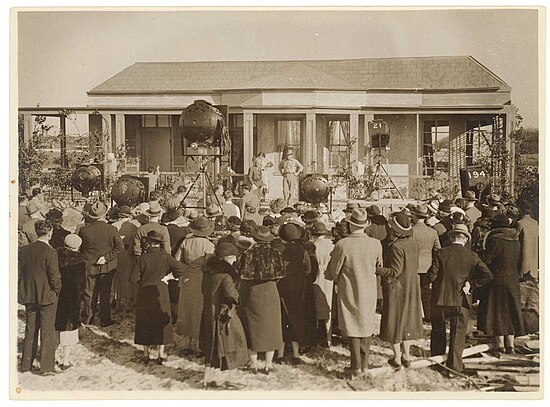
x: 292, y: 289
x: 153, y: 313
x: 500, y: 310
x: 222, y: 337
x: 402, y: 306
x: 72, y: 267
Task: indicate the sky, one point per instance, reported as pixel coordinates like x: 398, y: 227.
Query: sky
x: 63, y: 54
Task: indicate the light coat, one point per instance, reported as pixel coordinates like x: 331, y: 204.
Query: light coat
x: 352, y: 267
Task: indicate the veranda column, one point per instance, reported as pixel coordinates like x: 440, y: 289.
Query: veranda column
x: 310, y: 164
x: 354, y: 135
x: 248, y: 140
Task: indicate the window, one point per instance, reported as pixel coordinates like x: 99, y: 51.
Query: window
x: 338, y: 143
x: 152, y: 120
x: 435, y: 151
x: 288, y: 133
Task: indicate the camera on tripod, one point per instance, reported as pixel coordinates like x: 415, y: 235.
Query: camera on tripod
x: 379, y: 134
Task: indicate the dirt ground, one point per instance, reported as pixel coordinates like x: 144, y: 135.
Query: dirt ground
x: 106, y: 359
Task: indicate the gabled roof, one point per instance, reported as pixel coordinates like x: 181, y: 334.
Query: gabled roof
x: 421, y: 73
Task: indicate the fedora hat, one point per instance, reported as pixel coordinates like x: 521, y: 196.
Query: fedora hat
x: 318, y: 228
x: 401, y: 224
x: 289, y: 232
x: 124, y: 210
x: 350, y: 206
x: 201, y: 227
x: 493, y: 199
x: 359, y: 218
x: 460, y: 228
x: 142, y: 208
x: 154, y: 209
x: 97, y: 210
x: 170, y: 216
x: 54, y: 214
x: 288, y: 210
x: 500, y: 221
x: 420, y: 210
x: 433, y: 206
x: 262, y: 233
x: 213, y: 211
x: 154, y: 236
x: 469, y: 196
x: 310, y: 217
x: 445, y: 206
x: 243, y: 243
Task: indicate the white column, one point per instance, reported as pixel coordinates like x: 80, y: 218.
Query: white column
x: 248, y: 140
x: 310, y: 144
x: 366, y: 140
x: 354, y: 135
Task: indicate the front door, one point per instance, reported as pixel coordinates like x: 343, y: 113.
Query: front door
x: 156, y: 148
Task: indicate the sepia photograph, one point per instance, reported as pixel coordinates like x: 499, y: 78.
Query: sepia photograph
x: 247, y: 202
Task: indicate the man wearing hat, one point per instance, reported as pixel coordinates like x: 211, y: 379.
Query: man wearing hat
x: 352, y: 267
x: 323, y: 292
x: 290, y: 168
x: 455, y: 271
x: 445, y: 224
x: 101, y: 245
x: 469, y: 207
x: 27, y: 234
x: 36, y: 203
x: 154, y: 213
x: 428, y: 243
x: 493, y: 201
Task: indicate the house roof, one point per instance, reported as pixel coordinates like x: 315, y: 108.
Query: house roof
x: 419, y: 73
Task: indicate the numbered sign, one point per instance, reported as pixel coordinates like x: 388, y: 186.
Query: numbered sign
x: 475, y: 178
x: 379, y: 133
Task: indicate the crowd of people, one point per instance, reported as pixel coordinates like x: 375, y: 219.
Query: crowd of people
x: 244, y: 285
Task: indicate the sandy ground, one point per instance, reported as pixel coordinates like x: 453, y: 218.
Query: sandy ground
x: 107, y: 359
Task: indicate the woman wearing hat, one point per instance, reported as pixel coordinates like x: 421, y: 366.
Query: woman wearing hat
x: 323, y: 287
x: 153, y: 313
x: 259, y: 268
x: 191, y: 253
x: 292, y: 289
x: 501, y: 308
x: 72, y: 267
x: 222, y: 336
x: 402, y: 308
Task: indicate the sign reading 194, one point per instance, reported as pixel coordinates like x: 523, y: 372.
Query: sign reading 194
x: 477, y: 174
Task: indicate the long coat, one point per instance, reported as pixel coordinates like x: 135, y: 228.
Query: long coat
x: 352, y: 267
x: 402, y: 307
x: 222, y: 336
x: 191, y: 253
x: 72, y: 268
x: 153, y: 314
x: 292, y: 289
x: 528, y: 229
x: 322, y: 286
x: 260, y: 311
x: 502, y: 306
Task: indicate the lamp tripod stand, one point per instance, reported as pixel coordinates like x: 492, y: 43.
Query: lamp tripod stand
x: 381, y: 173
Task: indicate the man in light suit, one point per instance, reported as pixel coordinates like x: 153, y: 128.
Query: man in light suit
x: 39, y: 285
x: 290, y: 168
x: 101, y: 245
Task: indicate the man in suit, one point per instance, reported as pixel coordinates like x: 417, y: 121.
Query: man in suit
x: 101, y: 245
x: 455, y: 270
x: 470, y: 209
x: 39, y: 285
x: 290, y: 168
x: 154, y: 213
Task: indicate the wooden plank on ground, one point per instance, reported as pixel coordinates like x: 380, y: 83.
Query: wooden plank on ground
x: 420, y: 363
x: 500, y: 368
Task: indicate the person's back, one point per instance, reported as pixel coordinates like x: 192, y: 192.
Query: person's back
x: 528, y: 229
x: 452, y: 267
x: 427, y: 240
x: 99, y: 238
